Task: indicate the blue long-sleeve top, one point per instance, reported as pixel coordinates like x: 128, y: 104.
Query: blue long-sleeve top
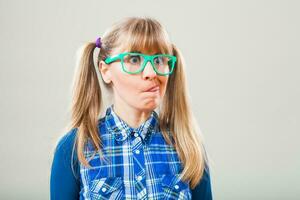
x: 66, y: 184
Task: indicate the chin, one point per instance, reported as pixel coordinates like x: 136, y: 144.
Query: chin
x: 150, y: 105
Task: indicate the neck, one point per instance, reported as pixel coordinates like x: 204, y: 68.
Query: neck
x: 136, y: 116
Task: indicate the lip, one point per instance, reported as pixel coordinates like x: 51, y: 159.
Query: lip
x: 152, y: 89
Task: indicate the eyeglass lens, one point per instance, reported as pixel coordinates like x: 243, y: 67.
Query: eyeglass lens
x: 133, y: 63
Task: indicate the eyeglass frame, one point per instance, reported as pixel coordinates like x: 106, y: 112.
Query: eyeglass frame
x: 146, y: 57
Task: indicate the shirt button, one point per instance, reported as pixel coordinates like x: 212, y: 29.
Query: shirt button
x: 136, y: 134
x: 103, y: 189
x: 137, y: 151
x: 176, y: 187
x: 139, y: 178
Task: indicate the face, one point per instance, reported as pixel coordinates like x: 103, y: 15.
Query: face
x: 130, y: 89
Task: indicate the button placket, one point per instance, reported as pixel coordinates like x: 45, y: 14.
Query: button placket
x: 139, y: 163
x: 136, y: 134
x: 139, y: 178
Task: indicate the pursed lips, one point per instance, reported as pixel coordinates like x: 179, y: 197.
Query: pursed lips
x: 152, y: 89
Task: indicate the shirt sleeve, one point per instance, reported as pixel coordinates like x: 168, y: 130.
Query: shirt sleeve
x: 64, y: 184
x: 203, y: 190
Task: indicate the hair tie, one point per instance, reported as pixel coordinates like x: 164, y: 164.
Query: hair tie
x: 98, y: 42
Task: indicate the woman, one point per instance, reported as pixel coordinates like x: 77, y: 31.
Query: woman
x: 133, y: 151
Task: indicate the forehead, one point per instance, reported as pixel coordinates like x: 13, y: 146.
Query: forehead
x: 142, y: 43
x: 145, y: 50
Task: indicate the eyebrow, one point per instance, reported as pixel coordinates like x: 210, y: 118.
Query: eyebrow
x: 141, y: 52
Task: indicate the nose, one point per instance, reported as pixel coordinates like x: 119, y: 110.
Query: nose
x: 149, y: 71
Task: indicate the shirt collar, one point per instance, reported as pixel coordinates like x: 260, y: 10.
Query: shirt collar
x: 121, y: 130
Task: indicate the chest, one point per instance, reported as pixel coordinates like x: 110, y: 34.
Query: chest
x: 135, y: 171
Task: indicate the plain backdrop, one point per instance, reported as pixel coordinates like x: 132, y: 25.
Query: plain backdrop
x: 243, y: 76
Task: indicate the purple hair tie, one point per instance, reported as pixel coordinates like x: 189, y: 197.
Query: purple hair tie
x: 98, y: 42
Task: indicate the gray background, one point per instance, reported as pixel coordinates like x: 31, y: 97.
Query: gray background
x: 243, y: 74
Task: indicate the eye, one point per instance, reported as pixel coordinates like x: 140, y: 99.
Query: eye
x: 135, y: 59
x: 158, y: 60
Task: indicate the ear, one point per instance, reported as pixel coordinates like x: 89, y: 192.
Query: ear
x: 105, y: 72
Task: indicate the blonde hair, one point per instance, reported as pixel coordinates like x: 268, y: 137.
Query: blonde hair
x: 175, y: 114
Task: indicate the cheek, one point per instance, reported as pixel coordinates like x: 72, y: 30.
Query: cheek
x: 123, y: 84
x: 163, y: 87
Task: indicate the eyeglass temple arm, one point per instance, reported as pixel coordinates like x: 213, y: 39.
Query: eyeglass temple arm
x: 112, y: 59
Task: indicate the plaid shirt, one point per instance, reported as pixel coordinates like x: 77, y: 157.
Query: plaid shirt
x: 138, y: 163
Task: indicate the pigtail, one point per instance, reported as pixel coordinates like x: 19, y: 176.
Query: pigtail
x: 87, y: 102
x: 178, y: 123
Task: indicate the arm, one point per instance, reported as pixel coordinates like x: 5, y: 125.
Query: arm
x: 203, y: 190
x: 63, y: 183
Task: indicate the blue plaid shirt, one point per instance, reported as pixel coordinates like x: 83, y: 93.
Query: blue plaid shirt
x: 138, y: 163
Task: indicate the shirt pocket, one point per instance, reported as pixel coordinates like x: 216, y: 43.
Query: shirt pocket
x: 107, y: 188
x: 175, y: 188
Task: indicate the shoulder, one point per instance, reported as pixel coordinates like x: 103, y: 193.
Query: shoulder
x: 65, y: 143
x: 64, y: 147
x: 65, y: 157
x: 65, y: 177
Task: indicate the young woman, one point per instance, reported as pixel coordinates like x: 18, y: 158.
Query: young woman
x: 133, y: 151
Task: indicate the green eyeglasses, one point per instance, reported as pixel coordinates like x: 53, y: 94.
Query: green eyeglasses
x: 134, y: 63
